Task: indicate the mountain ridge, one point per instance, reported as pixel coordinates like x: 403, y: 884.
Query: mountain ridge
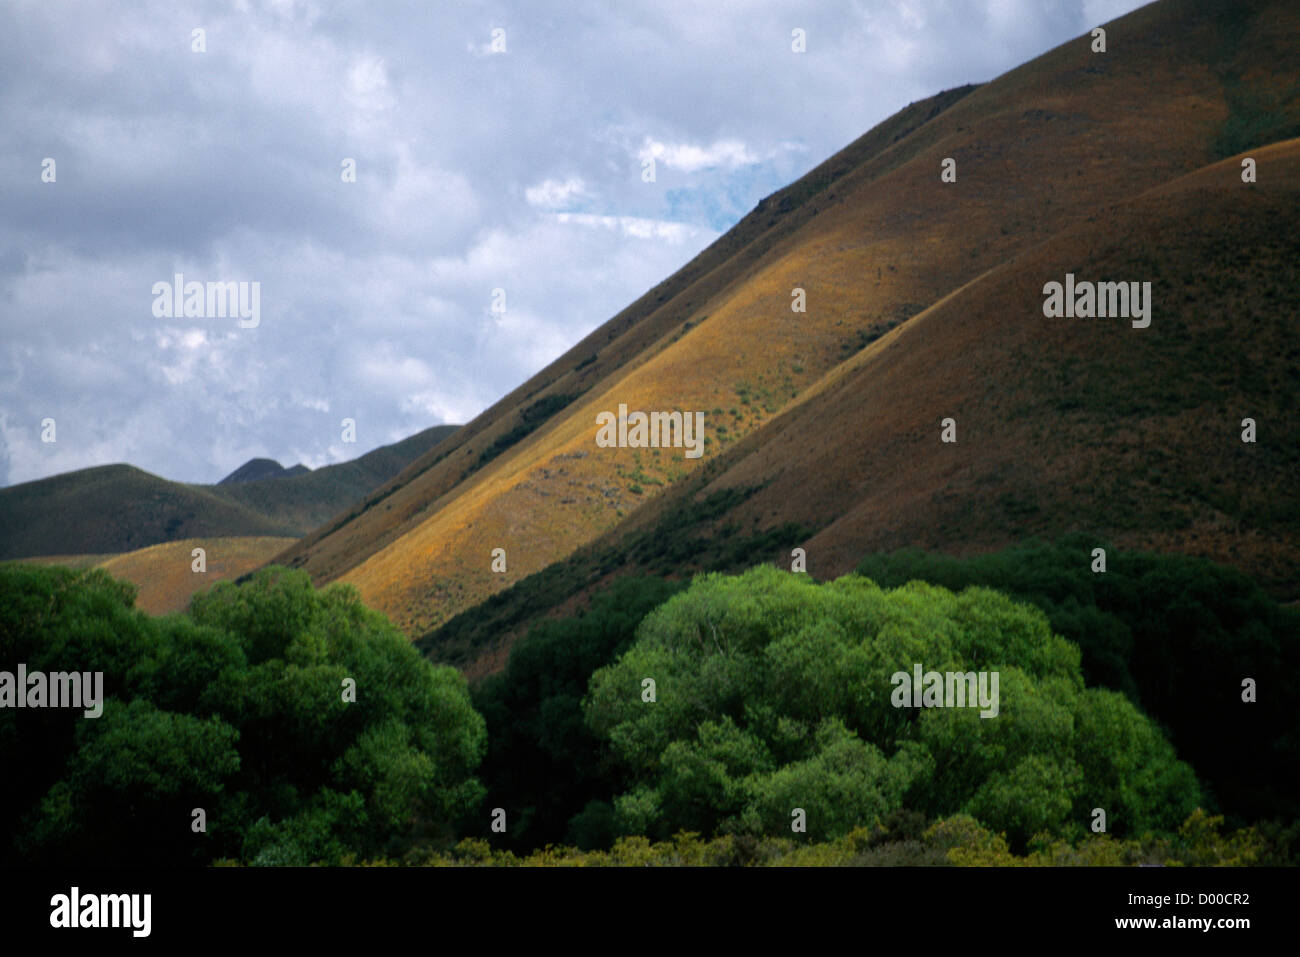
x: 112, y: 509
x: 256, y: 469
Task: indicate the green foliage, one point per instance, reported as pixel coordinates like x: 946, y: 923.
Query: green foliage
x: 1174, y: 634
x: 236, y: 708
x: 774, y: 693
x: 1256, y: 116
x: 1254, y: 119
x: 902, y: 840
x: 530, y: 419
x: 132, y: 768
x: 543, y: 762
x: 865, y: 337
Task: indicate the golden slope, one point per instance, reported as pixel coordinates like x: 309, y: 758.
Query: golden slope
x: 164, y: 576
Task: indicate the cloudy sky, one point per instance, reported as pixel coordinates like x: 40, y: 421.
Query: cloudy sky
x: 496, y: 146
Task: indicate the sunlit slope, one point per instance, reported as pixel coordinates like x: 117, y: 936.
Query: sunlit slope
x: 165, y: 576
x: 603, y: 356
x: 873, y: 237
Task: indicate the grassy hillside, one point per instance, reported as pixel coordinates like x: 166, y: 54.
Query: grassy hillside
x: 309, y: 500
x: 664, y: 314
x: 924, y: 301
x: 1074, y: 423
x: 255, y: 469
x: 164, y: 575
x: 119, y: 508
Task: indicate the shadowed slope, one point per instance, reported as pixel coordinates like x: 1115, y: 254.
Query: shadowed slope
x: 117, y: 508
x: 255, y: 470
x: 1075, y: 423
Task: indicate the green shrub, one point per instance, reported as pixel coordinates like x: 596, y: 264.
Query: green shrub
x: 774, y: 693
x: 236, y: 708
x: 543, y: 762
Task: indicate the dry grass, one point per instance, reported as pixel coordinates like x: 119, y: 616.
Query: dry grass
x: 67, y: 561
x: 164, y: 576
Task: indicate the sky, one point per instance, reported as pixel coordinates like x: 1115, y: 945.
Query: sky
x: 431, y: 200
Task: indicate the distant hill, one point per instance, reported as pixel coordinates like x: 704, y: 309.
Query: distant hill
x: 923, y: 302
x: 119, y: 508
x: 255, y: 470
x: 164, y: 574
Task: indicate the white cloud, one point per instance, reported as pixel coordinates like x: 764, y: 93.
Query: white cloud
x: 384, y: 368
x: 1097, y: 12
x: 639, y: 228
x: 435, y: 405
x: 554, y: 193
x: 368, y: 79
x: 496, y: 45
x: 690, y: 158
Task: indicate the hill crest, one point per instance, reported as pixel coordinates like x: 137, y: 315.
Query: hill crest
x: 257, y: 469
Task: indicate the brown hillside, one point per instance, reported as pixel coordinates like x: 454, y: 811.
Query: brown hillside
x: 1051, y: 149
x: 1068, y: 424
x: 164, y: 576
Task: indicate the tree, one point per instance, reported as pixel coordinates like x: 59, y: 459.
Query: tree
x: 238, y: 708
x: 1173, y: 633
x: 775, y: 693
x: 543, y: 761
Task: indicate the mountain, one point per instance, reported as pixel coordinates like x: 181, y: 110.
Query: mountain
x: 119, y: 508
x: 256, y: 469
x: 924, y: 302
